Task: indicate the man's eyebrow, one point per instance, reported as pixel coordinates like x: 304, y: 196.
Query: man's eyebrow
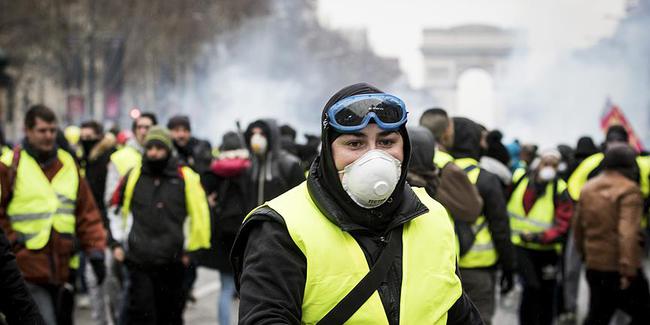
x: 357, y: 134
x: 385, y: 133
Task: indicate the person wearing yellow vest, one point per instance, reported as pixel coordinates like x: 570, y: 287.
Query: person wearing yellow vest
x: 301, y: 257
x: 45, y: 208
x: 160, y: 201
x: 437, y: 121
x: 540, y: 212
x: 491, y: 247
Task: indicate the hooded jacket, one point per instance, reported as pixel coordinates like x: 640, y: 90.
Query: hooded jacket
x: 197, y: 154
x: 275, y: 266
x: 273, y: 173
x: 449, y: 186
x: 467, y: 140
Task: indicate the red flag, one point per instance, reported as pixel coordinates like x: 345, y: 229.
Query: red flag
x: 613, y: 115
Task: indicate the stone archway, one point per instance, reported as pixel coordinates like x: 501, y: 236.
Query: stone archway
x: 450, y: 52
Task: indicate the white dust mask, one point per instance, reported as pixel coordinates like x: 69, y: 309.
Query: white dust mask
x: 259, y: 144
x: 547, y: 173
x: 371, y: 179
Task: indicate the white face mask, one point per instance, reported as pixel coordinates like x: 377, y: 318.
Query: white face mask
x: 547, y: 173
x: 371, y: 179
x: 259, y: 144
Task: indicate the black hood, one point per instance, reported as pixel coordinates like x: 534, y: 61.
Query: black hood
x: 467, y: 139
x: 271, y: 132
x: 325, y: 176
x: 424, y: 148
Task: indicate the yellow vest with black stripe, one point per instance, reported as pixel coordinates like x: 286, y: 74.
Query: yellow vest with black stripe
x: 126, y: 158
x: 441, y: 158
x: 195, y: 201
x: 336, y: 262
x: 38, y: 205
x: 482, y: 252
x: 581, y: 174
x: 540, y: 218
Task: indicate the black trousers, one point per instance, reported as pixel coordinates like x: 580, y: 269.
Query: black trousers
x: 606, y: 297
x: 539, y: 271
x: 155, y: 294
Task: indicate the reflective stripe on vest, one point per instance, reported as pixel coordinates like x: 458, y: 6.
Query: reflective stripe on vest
x: 539, y: 219
x: 336, y: 263
x: 196, y: 205
x: 441, y: 159
x: 125, y: 159
x: 482, y: 253
x: 37, y: 204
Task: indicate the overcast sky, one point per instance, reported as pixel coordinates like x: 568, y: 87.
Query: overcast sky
x: 553, y: 26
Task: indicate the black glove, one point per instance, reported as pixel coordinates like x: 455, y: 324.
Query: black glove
x: 530, y: 238
x: 99, y: 268
x: 507, y: 282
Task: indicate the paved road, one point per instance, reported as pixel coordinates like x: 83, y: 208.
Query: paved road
x: 203, y: 312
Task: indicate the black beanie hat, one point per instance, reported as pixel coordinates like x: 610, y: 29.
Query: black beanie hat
x: 616, y: 133
x: 179, y: 120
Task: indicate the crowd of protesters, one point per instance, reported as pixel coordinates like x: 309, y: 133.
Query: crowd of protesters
x: 127, y: 217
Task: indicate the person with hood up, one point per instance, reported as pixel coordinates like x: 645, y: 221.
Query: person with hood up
x: 354, y: 243
x: 449, y: 185
x: 273, y: 170
x: 166, y: 217
x: 607, y: 231
x: 495, y: 158
x: 226, y: 189
x: 540, y: 214
x: 492, y: 245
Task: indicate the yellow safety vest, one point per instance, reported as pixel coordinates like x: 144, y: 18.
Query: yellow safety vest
x: 336, y: 262
x: 540, y: 218
x: 482, y: 253
x: 195, y: 201
x: 126, y: 158
x: 39, y: 205
x: 581, y: 174
x: 441, y: 159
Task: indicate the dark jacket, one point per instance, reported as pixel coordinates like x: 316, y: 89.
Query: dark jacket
x: 274, y: 173
x: 159, y: 212
x: 197, y: 154
x: 16, y: 303
x: 279, y: 268
x: 467, y: 137
x: 227, y: 187
x: 95, y: 164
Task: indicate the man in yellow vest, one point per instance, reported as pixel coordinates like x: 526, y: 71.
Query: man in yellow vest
x: 491, y: 231
x: 438, y: 122
x: 158, y: 199
x: 45, y: 208
x: 540, y: 212
x: 354, y: 243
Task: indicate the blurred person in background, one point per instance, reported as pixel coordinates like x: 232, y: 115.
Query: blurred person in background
x: 441, y: 126
x: 568, y: 158
x: 96, y: 149
x: 273, y: 170
x: 192, y: 152
x: 158, y: 199
x: 491, y: 247
x: 540, y: 212
x: 310, y: 247
x: 607, y: 231
x: 495, y: 157
x: 45, y: 207
x: 226, y: 189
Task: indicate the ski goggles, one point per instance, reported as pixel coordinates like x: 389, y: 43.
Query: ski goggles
x: 352, y: 114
